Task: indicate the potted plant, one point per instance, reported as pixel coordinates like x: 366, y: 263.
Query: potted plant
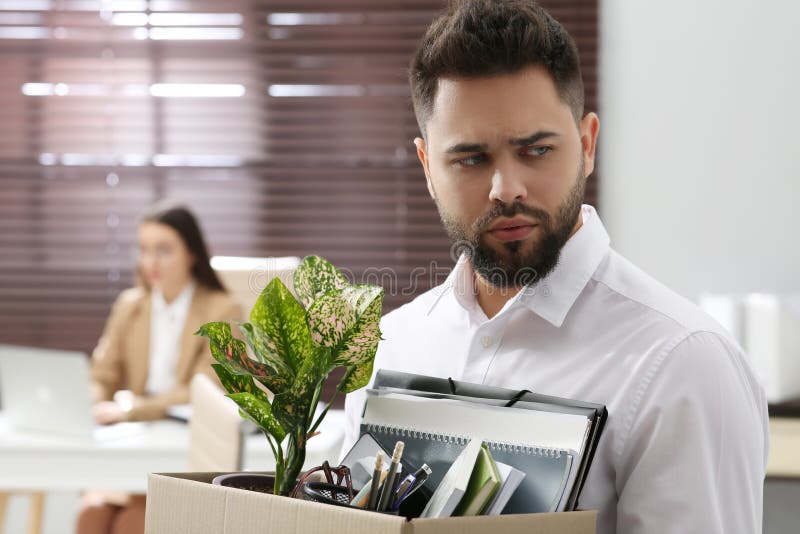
x: 296, y: 343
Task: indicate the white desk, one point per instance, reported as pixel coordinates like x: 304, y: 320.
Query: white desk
x: 45, y: 463
x: 36, y: 462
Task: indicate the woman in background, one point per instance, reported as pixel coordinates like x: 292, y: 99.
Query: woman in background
x: 149, y: 347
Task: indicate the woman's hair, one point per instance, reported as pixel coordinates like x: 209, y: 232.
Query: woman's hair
x: 180, y: 219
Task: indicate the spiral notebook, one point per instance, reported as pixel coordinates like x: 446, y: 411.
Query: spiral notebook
x: 550, y: 439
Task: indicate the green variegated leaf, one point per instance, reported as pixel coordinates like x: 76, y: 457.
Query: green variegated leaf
x: 361, y: 295
x: 261, y: 346
x: 259, y: 412
x: 231, y: 352
x: 291, y: 408
x: 316, y: 276
x: 218, y: 333
x: 281, y: 321
x: 357, y: 351
x: 357, y: 376
x: 281, y: 374
x: 353, y: 337
x: 357, y: 345
x: 331, y: 317
x: 234, y: 383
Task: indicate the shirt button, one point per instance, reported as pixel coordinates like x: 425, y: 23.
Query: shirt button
x: 487, y: 341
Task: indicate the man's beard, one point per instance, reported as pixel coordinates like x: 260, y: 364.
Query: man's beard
x: 516, y: 268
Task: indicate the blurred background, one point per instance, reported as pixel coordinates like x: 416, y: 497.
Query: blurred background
x: 287, y: 127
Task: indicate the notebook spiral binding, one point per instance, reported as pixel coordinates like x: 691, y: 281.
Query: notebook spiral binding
x: 399, y: 432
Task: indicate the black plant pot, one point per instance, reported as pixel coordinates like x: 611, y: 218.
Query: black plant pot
x: 247, y: 481
x: 265, y: 484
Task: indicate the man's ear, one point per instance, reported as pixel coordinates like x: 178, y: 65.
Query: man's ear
x: 589, y: 126
x: 423, y: 158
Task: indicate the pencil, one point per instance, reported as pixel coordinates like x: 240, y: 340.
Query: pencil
x: 376, y: 475
x: 388, y: 486
x: 362, y: 499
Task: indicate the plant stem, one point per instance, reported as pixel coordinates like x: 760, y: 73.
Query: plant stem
x: 315, y: 400
x: 290, y: 449
x: 295, y: 458
x: 322, y: 415
x: 280, y: 472
x: 271, y: 445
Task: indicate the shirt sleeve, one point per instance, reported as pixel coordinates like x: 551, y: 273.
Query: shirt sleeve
x: 695, y: 456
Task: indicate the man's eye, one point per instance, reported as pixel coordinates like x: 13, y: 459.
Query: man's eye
x: 471, y: 161
x: 538, y: 150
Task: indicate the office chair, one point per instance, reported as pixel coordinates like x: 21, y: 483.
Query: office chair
x: 245, y: 278
x: 215, y: 429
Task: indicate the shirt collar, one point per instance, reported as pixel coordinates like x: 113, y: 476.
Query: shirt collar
x: 552, y: 297
x: 181, y: 301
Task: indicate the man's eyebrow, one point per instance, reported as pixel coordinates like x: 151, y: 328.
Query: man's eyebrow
x: 531, y: 139
x: 467, y: 147
x: 462, y: 148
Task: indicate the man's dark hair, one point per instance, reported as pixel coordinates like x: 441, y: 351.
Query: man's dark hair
x: 482, y: 38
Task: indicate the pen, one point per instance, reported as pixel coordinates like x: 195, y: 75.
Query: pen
x: 402, y: 490
x: 388, y: 486
x: 421, y: 476
x: 376, y: 476
x: 422, y: 473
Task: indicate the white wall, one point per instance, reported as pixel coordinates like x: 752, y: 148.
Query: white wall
x: 700, y: 140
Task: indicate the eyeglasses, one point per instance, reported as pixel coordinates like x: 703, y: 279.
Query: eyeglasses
x: 342, y: 473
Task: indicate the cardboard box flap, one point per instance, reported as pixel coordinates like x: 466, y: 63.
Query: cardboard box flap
x: 561, y: 523
x: 185, y: 507
x: 279, y: 514
x: 194, y: 505
x: 187, y: 502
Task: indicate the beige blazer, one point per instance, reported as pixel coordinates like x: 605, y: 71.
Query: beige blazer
x: 122, y: 357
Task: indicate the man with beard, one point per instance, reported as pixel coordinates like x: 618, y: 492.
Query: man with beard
x: 539, y: 301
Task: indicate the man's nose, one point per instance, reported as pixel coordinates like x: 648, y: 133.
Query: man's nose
x: 507, y: 185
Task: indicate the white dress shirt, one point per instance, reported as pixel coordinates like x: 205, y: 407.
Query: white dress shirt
x: 166, y: 326
x: 685, y: 446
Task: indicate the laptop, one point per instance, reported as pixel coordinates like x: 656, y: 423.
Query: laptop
x: 48, y: 391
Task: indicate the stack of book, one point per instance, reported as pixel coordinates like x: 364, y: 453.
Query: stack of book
x: 474, y: 485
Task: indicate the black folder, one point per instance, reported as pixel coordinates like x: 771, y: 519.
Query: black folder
x: 426, y: 386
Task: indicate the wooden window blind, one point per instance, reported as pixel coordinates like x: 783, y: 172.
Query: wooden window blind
x: 286, y: 125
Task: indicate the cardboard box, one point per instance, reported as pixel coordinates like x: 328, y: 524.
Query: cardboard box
x: 189, y: 503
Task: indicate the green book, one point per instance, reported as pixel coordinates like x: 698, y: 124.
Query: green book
x: 482, y: 487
